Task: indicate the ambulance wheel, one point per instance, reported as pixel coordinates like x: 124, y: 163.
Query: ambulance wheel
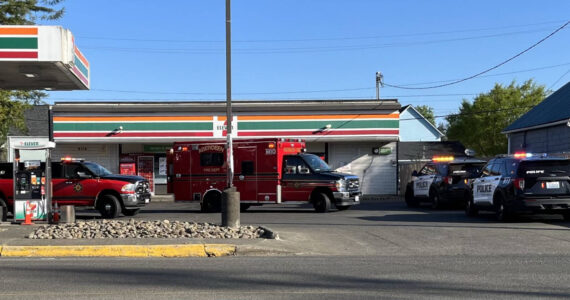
x: 131, y: 212
x: 109, y: 207
x: 321, y: 202
x: 411, y: 201
x: 212, y: 203
x: 470, y: 208
x: 435, y: 199
x: 244, y: 207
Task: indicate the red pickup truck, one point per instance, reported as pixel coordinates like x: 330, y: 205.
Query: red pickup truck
x: 86, y: 184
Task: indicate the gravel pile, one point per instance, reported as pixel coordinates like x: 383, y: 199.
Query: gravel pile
x: 109, y: 229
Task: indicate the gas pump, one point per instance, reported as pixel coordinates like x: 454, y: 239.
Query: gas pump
x: 32, y: 184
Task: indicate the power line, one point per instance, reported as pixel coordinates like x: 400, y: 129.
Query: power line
x: 324, y: 90
x: 560, y: 78
x: 302, y: 49
x: 317, y: 39
x: 477, y: 112
x: 485, y: 71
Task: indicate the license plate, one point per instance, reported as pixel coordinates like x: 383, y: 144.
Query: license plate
x: 147, y: 200
x: 553, y: 185
x: 357, y: 198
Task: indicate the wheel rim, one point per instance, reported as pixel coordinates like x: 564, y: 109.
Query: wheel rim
x: 501, y: 211
x: 108, y: 208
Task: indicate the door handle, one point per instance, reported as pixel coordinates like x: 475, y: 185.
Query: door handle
x: 69, y: 182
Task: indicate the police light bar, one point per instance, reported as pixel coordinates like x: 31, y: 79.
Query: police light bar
x: 442, y: 158
x: 69, y: 158
x: 522, y: 155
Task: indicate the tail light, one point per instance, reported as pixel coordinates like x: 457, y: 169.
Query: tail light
x: 466, y: 181
x: 542, y: 185
x: 448, y: 179
x: 519, y: 183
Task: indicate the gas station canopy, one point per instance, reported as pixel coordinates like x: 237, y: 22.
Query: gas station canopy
x: 41, y: 57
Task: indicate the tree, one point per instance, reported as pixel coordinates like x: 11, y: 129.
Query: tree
x: 27, y: 12
x: 478, y: 125
x: 427, y: 112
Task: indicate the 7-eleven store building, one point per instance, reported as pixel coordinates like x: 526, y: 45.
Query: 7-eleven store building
x: 354, y: 136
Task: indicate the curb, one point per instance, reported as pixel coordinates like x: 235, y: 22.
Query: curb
x: 192, y: 250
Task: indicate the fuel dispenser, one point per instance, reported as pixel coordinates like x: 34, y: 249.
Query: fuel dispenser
x: 32, y: 184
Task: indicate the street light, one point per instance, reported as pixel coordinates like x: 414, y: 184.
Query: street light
x: 230, y: 196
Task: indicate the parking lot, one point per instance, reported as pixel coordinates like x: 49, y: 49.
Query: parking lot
x: 383, y: 227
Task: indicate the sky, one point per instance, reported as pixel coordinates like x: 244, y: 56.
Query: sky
x: 142, y: 50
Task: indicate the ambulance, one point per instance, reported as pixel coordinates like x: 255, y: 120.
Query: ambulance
x: 266, y: 171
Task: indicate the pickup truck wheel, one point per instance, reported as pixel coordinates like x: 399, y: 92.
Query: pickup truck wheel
x: 109, y: 207
x: 3, y: 210
x: 131, y: 212
x: 321, y: 202
x: 343, y: 207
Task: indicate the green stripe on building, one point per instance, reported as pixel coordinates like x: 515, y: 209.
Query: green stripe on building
x: 18, y: 43
x: 315, y: 125
x: 132, y: 126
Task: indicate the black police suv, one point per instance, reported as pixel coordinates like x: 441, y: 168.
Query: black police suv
x: 445, y: 179
x: 522, y: 183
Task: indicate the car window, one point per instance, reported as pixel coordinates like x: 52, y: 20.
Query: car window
x: 469, y: 170
x: 294, y: 165
x: 442, y: 169
x: 487, y: 169
x: 428, y: 170
x: 541, y: 168
x: 498, y: 168
x: 512, y: 166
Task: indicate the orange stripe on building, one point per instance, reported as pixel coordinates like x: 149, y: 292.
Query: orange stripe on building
x: 141, y: 119
x: 314, y: 117
x: 19, y: 30
x: 81, y: 57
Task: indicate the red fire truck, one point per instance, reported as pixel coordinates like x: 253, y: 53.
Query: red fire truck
x: 265, y: 171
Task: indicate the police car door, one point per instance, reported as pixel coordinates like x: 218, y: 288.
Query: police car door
x: 484, y: 187
x: 424, y: 181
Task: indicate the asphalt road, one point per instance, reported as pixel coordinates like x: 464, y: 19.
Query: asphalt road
x: 338, y: 277
x: 380, y: 249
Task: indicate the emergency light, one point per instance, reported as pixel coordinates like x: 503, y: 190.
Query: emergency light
x: 442, y: 158
x: 522, y: 155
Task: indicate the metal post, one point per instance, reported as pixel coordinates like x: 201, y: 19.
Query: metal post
x: 230, y: 196
x: 378, y: 83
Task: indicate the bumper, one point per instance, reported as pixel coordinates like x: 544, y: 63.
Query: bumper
x: 543, y: 205
x: 135, y: 200
x: 346, y: 198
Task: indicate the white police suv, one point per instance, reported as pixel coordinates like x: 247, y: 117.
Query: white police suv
x: 445, y: 179
x: 522, y: 183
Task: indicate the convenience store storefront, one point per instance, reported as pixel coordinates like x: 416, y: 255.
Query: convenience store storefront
x: 355, y: 136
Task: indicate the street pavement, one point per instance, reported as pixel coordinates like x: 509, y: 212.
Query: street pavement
x: 380, y: 249
x: 376, y: 227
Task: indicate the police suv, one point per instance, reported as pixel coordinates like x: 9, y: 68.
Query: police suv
x: 444, y: 179
x: 522, y: 183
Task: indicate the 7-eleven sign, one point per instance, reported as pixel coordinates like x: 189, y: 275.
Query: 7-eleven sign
x: 221, y: 126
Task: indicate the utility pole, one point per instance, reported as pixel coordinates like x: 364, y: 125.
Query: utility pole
x: 379, y: 83
x: 230, y: 196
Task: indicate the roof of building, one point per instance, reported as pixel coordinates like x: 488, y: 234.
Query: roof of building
x: 409, y: 106
x: 552, y: 110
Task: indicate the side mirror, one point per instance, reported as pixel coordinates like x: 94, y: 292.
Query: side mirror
x: 415, y: 173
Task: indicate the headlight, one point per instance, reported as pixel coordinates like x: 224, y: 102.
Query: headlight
x: 128, y: 188
x: 341, y: 185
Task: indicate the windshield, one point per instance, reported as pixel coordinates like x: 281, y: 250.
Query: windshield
x: 316, y: 163
x: 97, y: 169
